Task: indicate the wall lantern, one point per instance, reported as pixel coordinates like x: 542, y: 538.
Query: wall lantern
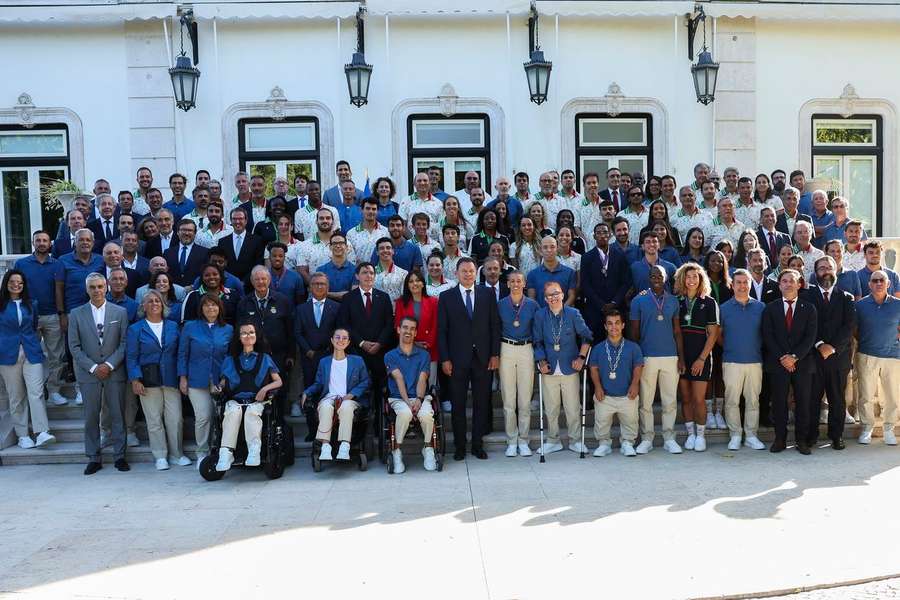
x: 705, y: 71
x: 184, y: 74
x: 537, y: 70
x: 358, y: 73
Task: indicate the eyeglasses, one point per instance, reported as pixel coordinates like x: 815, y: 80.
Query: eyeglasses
x: 248, y: 334
x: 338, y: 243
x: 878, y: 280
x: 635, y: 195
x: 552, y: 295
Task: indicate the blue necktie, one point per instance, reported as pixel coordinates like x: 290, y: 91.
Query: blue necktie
x: 183, y: 260
x: 469, y: 308
x: 317, y: 309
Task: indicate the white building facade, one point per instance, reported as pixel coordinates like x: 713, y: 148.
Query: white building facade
x: 86, y: 94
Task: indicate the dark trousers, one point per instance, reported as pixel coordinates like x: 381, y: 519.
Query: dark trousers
x: 780, y: 383
x: 830, y: 381
x: 478, y: 376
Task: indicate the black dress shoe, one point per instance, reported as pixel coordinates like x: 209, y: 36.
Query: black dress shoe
x: 92, y: 467
x: 459, y: 454
x: 838, y: 444
x: 777, y: 446
x: 803, y: 449
x: 122, y: 465
x: 479, y: 453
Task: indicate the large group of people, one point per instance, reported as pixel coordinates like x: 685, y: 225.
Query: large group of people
x: 750, y: 300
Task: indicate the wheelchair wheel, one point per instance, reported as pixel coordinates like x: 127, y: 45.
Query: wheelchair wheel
x: 390, y: 463
x: 316, y: 463
x: 208, y: 469
x: 439, y: 460
x: 369, y: 444
x: 274, y: 469
x: 288, y: 439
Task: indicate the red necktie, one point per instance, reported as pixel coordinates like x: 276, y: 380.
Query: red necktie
x: 826, y: 297
x: 789, y: 317
x: 772, y: 251
x: 368, y: 304
x: 615, y: 199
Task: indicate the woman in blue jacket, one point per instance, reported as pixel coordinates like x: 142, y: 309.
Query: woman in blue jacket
x: 151, y: 353
x: 21, y: 360
x: 342, y: 393
x: 202, y: 347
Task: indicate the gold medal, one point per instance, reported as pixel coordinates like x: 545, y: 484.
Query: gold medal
x: 556, y: 347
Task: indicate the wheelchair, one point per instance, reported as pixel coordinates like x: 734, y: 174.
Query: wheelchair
x: 277, y: 441
x: 362, y: 444
x: 388, y: 436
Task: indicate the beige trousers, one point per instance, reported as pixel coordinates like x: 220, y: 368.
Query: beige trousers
x: 562, y: 390
x: 742, y: 379
x: 231, y: 424
x: 516, y: 389
x: 881, y: 375
x: 326, y: 419
x: 202, y: 402
x: 405, y: 415
x: 621, y: 406
x: 664, y: 370
x: 54, y: 340
x: 25, y: 386
x: 162, y: 409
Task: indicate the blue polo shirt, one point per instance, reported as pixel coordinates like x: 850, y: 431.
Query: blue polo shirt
x: 385, y: 212
x: 407, y: 256
x: 290, y: 284
x: 410, y: 366
x: 631, y: 253
x: 180, y: 211
x: 524, y: 314
x: 742, y: 331
x: 75, y: 273
x: 539, y: 276
x: 351, y: 216
x: 130, y: 305
x: 340, y: 279
x: 671, y: 255
x: 825, y: 220
x: 804, y: 205
x: 878, y: 326
x: 657, y: 337
x: 630, y: 358
x: 41, y: 278
x: 640, y: 274
x: 514, y: 208
x: 865, y: 274
x: 848, y: 281
x: 837, y: 232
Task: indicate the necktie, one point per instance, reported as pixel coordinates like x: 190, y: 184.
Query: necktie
x: 183, y: 260
x: 825, y: 293
x: 496, y: 292
x: 615, y: 199
x: 108, y: 231
x: 238, y: 240
x: 772, y: 251
x: 262, y: 305
x: 789, y: 316
x: 100, y: 331
x: 469, y: 308
x: 368, y: 304
x: 317, y: 309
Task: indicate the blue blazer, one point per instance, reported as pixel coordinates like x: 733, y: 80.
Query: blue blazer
x: 201, y: 351
x: 542, y: 332
x: 12, y: 334
x: 357, y: 379
x: 142, y: 348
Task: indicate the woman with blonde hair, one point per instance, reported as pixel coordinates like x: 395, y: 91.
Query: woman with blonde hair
x: 699, y: 317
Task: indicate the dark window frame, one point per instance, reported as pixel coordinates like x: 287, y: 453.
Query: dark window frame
x: 413, y: 153
x: 580, y: 151
x: 37, y: 161
x: 245, y: 155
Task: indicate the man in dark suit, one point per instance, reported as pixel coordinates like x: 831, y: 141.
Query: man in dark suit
x: 789, y: 329
x: 314, y: 322
x: 612, y: 192
x: 160, y: 244
x: 605, y: 279
x: 790, y: 216
x: 761, y: 287
x: 768, y: 235
x: 469, y: 348
x: 106, y: 227
x: 242, y: 249
x: 185, y: 259
x: 836, y: 321
x: 491, y: 271
x: 66, y: 243
x: 368, y: 314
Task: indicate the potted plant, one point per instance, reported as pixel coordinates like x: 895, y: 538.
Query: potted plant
x: 60, y: 193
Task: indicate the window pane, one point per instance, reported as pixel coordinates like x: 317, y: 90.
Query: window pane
x: 448, y: 133
x: 294, y: 170
x: 17, y: 225
x: 280, y: 137
x: 596, y: 165
x: 851, y: 132
x: 51, y: 210
x: 43, y: 144
x: 829, y: 168
x: 268, y: 172
x: 861, y: 191
x: 612, y: 132
x: 631, y: 165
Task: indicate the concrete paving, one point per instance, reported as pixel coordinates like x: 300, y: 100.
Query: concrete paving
x: 659, y: 526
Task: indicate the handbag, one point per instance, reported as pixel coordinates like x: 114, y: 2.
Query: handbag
x: 151, y: 375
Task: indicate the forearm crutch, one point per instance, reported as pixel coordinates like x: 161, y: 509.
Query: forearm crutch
x: 541, y: 412
x: 584, y: 400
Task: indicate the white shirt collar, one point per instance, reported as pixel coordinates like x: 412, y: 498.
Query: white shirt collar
x: 362, y: 293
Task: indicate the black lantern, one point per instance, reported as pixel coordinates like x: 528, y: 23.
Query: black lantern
x: 184, y: 74
x: 358, y: 73
x: 537, y: 70
x: 705, y: 71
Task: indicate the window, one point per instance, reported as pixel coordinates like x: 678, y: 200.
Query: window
x: 285, y: 148
x: 847, y: 154
x: 603, y: 142
x: 29, y: 160
x: 454, y: 145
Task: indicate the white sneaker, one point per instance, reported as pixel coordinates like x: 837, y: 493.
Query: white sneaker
x: 295, y: 410
x: 866, y: 436
x: 734, y: 443
x: 57, y: 399
x: 163, y: 465
x: 325, y: 454
x: 399, y: 467
x: 889, y: 438
x: 578, y: 447
x: 754, y: 443
x: 132, y: 440
x: 200, y: 457
x: 603, y: 450
x: 692, y: 440
x: 511, y: 450
x: 26, y: 443
x: 183, y: 461
x: 700, y: 444
x: 226, y: 457
x: 710, y: 421
x: 447, y: 406
x: 720, y: 421
x: 849, y: 419
x: 672, y: 447
x: 645, y: 447
x: 524, y: 449
x: 627, y: 449
x: 79, y: 400
x: 253, y: 458
x: 104, y: 440
x: 429, y: 461
x: 344, y: 451
x: 44, y: 438
x: 549, y: 448
x: 823, y: 416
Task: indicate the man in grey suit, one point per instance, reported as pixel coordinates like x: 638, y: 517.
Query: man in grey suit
x: 97, y: 343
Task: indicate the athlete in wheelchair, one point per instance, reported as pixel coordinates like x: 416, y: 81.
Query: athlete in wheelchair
x: 339, y: 395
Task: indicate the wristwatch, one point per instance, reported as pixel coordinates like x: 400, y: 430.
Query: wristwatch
x: 582, y: 356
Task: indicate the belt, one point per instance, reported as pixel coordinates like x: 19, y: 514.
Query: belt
x: 512, y: 342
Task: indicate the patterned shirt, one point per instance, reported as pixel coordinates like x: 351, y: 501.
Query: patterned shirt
x: 749, y: 215
x: 425, y: 247
x: 636, y: 222
x: 528, y: 257
x: 430, y: 206
x: 314, y: 253
x: 390, y: 281
x: 363, y: 240
x: 573, y: 261
x: 305, y: 220
x: 587, y: 215
x: 684, y: 222
x: 208, y: 239
x: 450, y: 265
x: 719, y: 231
